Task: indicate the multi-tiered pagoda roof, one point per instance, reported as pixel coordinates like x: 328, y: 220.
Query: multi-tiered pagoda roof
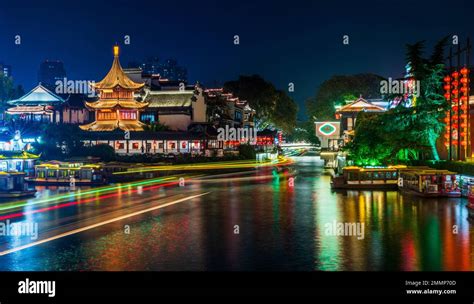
x: 116, y: 107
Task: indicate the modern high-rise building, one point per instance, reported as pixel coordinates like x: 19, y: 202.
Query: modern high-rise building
x: 49, y: 72
x: 168, y: 69
x: 6, y: 70
x: 172, y: 71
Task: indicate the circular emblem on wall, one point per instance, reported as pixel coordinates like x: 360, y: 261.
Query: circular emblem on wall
x: 327, y: 129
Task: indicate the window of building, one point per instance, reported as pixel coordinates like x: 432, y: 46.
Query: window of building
x: 135, y: 145
x: 212, y: 144
x: 238, y: 115
x: 106, y: 115
x: 148, y: 117
x: 130, y: 115
x: 350, y: 123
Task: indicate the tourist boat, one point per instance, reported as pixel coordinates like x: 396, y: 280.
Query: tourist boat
x: 63, y: 173
x: 429, y: 182
x: 13, y: 185
x: 353, y: 177
x: 466, y: 183
x: 470, y: 201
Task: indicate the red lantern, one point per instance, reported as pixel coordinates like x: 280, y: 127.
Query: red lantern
x: 464, y: 71
x: 447, y: 78
x: 455, y: 74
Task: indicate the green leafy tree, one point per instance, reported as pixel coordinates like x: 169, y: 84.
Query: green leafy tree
x: 58, y: 143
x: 407, y: 133
x: 104, y: 151
x: 247, y: 151
x: 274, y: 108
x: 339, y: 89
x: 304, y: 131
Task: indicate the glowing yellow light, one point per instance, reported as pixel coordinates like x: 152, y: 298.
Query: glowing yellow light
x: 116, y: 50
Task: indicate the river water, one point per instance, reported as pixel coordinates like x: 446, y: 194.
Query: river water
x: 266, y: 224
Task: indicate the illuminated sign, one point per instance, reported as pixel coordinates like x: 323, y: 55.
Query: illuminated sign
x: 327, y: 129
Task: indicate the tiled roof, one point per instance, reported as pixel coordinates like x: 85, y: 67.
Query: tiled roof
x: 169, y: 99
x: 38, y: 96
x: 360, y: 105
x: 117, y: 77
x: 108, y: 104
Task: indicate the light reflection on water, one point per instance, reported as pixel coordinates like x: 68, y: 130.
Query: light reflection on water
x: 280, y: 228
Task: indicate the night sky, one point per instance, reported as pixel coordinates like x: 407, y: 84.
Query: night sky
x: 284, y: 41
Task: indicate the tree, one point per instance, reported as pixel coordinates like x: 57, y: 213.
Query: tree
x: 304, y: 131
x: 284, y: 113
x: 407, y: 133
x: 274, y: 108
x: 247, y: 151
x: 104, y: 151
x: 369, y: 146
x: 155, y: 127
x: 58, y: 143
x: 339, y: 89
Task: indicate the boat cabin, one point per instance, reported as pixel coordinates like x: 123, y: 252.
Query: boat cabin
x: 68, y: 173
x: 430, y: 182
x: 13, y: 185
x: 367, y: 178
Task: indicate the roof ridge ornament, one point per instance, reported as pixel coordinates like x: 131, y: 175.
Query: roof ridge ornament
x: 116, y: 50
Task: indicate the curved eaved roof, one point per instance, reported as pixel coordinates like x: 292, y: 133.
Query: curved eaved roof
x: 117, y: 77
x: 38, y: 96
x: 360, y: 105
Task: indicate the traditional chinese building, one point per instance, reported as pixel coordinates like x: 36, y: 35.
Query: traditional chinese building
x: 116, y: 107
x: 347, y: 115
x: 43, y: 106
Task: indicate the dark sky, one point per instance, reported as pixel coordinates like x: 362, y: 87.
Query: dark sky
x: 284, y: 41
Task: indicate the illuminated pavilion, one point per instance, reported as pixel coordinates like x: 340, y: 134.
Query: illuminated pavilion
x: 116, y: 107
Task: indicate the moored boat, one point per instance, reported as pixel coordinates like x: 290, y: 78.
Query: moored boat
x: 13, y: 185
x: 60, y: 173
x: 427, y: 182
x: 368, y: 178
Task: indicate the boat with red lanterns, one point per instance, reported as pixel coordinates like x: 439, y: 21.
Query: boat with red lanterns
x: 427, y: 182
x: 470, y: 201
